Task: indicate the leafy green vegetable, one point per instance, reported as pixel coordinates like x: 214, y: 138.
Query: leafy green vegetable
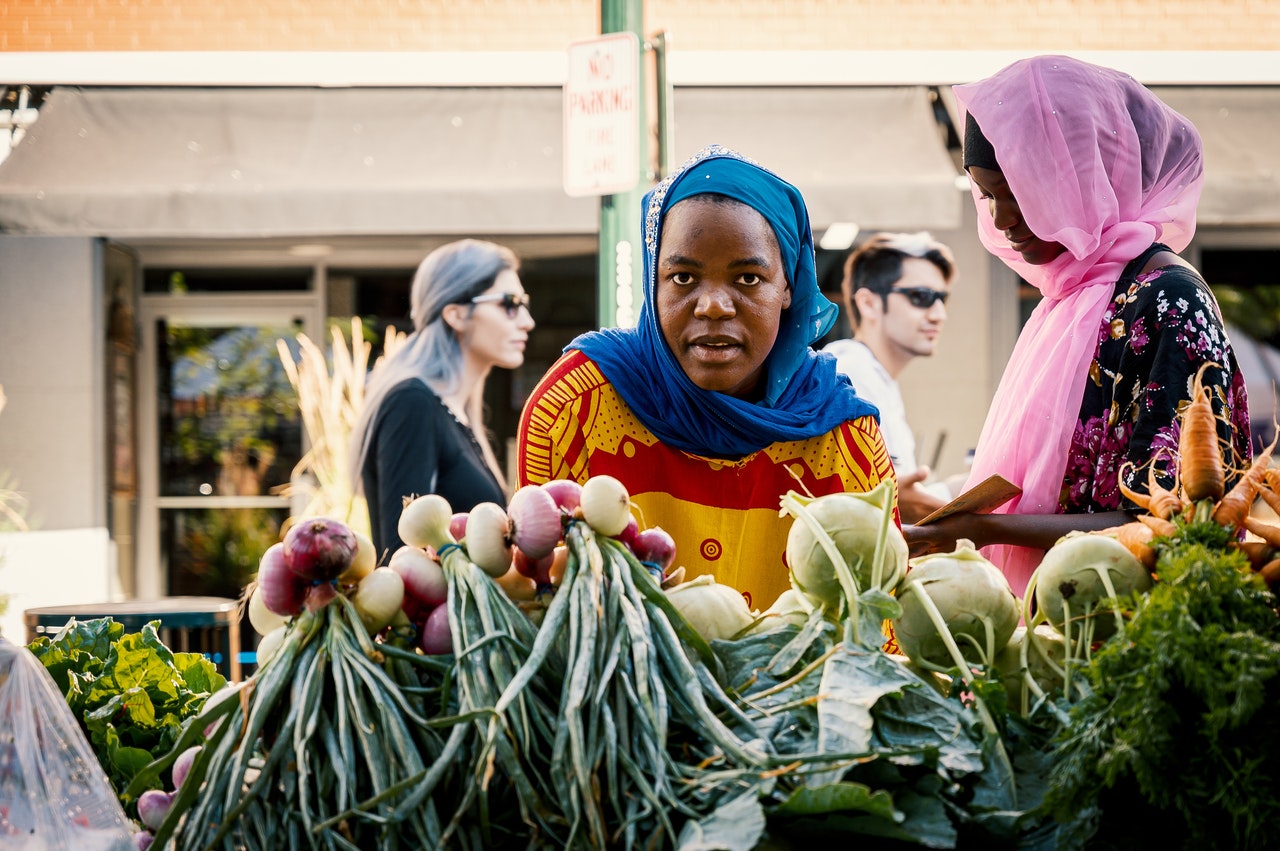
x: 1179, y: 729
x: 130, y: 693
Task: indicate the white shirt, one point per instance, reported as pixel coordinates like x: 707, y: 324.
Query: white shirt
x: 873, y: 383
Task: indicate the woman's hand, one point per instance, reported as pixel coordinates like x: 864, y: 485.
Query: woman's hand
x: 938, y: 537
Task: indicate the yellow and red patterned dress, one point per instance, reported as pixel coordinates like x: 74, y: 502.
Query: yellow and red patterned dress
x: 723, y: 514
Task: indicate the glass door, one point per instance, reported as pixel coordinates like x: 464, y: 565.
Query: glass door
x: 220, y: 433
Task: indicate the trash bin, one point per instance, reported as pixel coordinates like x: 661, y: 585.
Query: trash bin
x: 208, y: 625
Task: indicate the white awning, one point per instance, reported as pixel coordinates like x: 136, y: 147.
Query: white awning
x: 1240, y: 126
x: 874, y: 156
x: 227, y: 162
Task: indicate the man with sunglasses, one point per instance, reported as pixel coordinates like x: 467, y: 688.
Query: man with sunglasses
x: 895, y: 290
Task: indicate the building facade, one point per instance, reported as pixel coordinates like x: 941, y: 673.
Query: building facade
x: 189, y: 182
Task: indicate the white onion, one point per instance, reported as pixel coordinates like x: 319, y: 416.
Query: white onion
x: 535, y: 521
x: 269, y: 645
x: 488, y: 540
x: 606, y: 505
x: 365, y: 560
x: 424, y: 522
x: 377, y: 598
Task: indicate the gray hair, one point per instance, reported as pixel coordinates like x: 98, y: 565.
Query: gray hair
x: 454, y: 273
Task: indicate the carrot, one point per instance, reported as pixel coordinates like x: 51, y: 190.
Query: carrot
x: 1157, y: 500
x: 1270, y: 495
x: 1265, y: 531
x: 1200, y: 458
x: 1136, y: 538
x: 1159, y: 525
x: 1258, y: 552
x: 1234, y: 506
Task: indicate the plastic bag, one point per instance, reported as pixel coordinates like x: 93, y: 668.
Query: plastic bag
x: 53, y: 792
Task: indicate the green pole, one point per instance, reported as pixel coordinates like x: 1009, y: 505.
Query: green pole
x: 620, y: 253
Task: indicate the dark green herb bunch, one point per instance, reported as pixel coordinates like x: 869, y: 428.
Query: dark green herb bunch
x: 1179, y: 739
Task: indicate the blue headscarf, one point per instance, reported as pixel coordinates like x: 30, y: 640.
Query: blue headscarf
x: 804, y: 396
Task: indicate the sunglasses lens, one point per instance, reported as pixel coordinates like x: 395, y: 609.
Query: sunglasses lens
x: 513, y: 303
x: 924, y: 297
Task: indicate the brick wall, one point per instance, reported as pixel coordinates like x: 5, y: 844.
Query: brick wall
x: 434, y: 25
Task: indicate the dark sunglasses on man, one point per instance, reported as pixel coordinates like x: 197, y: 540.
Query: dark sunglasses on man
x: 922, y: 297
x: 511, y: 302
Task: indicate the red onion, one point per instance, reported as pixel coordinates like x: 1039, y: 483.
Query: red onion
x: 458, y: 525
x: 655, y: 545
x: 319, y: 548
x: 153, y: 805
x: 142, y: 840
x: 282, y: 590
x: 436, y: 639
x: 606, y: 505
x: 527, y: 566
x: 320, y: 595
x: 628, y: 535
x: 261, y: 618
x: 535, y: 521
x: 182, y: 765
x: 424, y: 579
x: 566, y: 492
x: 488, y: 541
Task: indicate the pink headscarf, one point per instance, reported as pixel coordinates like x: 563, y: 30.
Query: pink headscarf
x: 1100, y: 165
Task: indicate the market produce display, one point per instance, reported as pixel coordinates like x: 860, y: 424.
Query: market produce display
x: 540, y: 675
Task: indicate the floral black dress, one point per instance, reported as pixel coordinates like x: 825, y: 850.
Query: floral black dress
x: 1156, y: 333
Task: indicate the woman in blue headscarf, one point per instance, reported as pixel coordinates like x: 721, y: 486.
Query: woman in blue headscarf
x: 715, y: 405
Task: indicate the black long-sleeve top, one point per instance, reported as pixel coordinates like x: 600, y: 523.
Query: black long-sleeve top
x: 417, y: 447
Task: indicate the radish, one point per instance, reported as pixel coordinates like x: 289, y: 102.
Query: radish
x: 436, y: 639
x: 153, y: 805
x: 282, y: 590
x: 319, y: 548
x: 377, y: 598
x: 424, y: 579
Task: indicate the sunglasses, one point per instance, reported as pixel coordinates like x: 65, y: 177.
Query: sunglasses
x: 511, y: 302
x: 922, y: 297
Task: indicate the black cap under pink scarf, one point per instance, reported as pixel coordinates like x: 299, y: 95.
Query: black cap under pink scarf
x: 1099, y: 164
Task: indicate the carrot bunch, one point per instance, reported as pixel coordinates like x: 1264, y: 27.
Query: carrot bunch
x: 1199, y: 492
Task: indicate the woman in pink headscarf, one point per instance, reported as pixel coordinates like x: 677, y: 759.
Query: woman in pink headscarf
x: 1086, y: 185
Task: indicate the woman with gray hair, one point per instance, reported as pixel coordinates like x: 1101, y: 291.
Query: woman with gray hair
x: 422, y: 428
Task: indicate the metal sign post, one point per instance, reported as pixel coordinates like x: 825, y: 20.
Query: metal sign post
x: 606, y: 150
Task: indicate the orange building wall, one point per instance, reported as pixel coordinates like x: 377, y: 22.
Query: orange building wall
x: 444, y: 25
